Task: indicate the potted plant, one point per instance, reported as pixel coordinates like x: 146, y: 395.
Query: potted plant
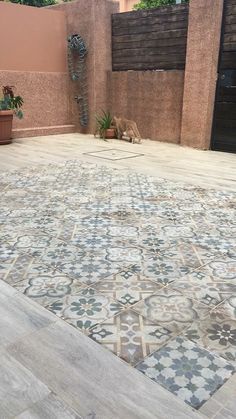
x: 104, y: 126
x: 9, y: 105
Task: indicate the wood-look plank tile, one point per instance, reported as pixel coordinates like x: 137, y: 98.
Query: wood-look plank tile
x: 19, y: 388
x: 92, y: 380
x: 6, y: 290
x: 51, y: 407
x: 19, y: 317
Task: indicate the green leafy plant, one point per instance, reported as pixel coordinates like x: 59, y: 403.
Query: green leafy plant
x: 104, y: 122
x: 151, y: 4
x: 35, y: 3
x: 10, y: 102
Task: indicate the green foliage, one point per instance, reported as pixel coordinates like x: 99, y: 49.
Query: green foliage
x: 36, y: 3
x: 151, y: 4
x: 10, y: 102
x: 104, y: 122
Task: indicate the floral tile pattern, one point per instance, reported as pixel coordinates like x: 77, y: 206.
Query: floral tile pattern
x: 187, y: 370
x: 14, y: 269
x: 33, y: 243
x: 201, y: 286
x: 227, y: 308
x: 218, y: 336
x: 130, y: 336
x: 88, y: 308
x: 174, y: 263
x: 223, y: 269
x: 45, y: 285
x: 89, y: 269
x: 189, y: 257
x: 213, y: 242
x: 171, y: 309
x: 133, y: 261
x: 127, y: 287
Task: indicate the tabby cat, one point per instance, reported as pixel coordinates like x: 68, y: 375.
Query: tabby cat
x: 127, y: 128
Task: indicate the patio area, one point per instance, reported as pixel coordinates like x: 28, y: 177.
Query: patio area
x: 134, y: 246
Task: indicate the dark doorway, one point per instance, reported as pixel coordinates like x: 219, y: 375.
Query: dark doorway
x: 224, y: 126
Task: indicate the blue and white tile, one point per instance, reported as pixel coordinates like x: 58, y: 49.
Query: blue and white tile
x: 187, y: 370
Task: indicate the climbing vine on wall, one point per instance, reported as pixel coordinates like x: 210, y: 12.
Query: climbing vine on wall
x: 150, y: 4
x: 77, y: 53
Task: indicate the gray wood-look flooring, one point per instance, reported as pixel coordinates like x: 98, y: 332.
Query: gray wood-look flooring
x: 19, y: 317
x: 49, y: 408
x: 170, y: 161
x: 19, y: 388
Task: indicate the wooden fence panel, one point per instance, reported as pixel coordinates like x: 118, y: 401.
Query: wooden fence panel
x: 150, y: 39
x: 228, y: 58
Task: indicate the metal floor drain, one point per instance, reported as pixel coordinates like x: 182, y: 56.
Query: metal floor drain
x: 113, y: 154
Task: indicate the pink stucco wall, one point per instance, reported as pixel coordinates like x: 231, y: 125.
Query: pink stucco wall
x: 33, y: 59
x: 32, y: 39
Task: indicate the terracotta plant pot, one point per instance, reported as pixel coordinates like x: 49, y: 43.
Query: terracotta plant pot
x: 6, y: 118
x: 110, y: 133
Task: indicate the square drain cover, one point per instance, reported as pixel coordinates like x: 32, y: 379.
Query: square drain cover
x: 113, y: 154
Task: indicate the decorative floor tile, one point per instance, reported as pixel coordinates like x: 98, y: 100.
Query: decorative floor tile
x: 190, y: 372
x: 171, y: 309
x: 178, y: 231
x: 88, y: 308
x: 218, y: 336
x: 44, y: 285
x: 188, y: 256
x: 7, y: 253
x: 221, y: 269
x: 156, y: 241
x: 201, y: 286
x: 89, y: 269
x: 174, y: 263
x: 130, y: 336
x: 14, y: 269
x: 232, y: 253
x: 92, y: 241
x: 58, y: 252
x: 227, y: 308
x: 33, y: 243
x: 160, y: 256
x: 213, y: 242
x: 127, y: 287
x: 128, y: 255
x: 159, y: 270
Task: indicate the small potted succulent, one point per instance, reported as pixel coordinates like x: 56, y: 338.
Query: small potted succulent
x: 104, y: 126
x: 9, y: 105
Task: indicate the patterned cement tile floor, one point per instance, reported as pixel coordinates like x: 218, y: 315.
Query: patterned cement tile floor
x: 145, y: 267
